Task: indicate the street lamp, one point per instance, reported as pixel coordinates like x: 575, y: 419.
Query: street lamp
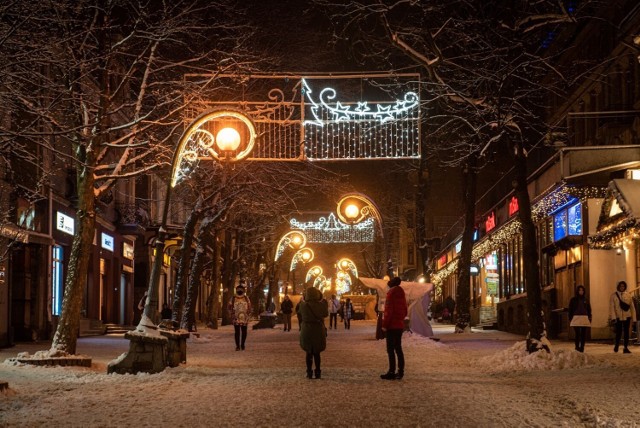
x: 294, y: 240
x: 305, y: 255
x: 235, y: 136
x: 353, y: 208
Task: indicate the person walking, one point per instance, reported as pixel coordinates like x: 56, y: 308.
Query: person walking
x: 239, y: 308
x: 287, y: 309
x: 347, y: 313
x: 580, y: 316
x: 334, y: 307
x: 395, y: 311
x: 313, y: 336
x: 622, y: 310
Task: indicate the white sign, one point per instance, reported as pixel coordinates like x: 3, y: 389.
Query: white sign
x: 107, y: 242
x: 64, y: 223
x: 127, y: 251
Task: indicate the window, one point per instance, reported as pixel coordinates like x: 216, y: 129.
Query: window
x: 567, y: 222
x: 57, y: 280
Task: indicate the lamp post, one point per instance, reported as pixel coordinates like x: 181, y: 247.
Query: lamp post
x: 225, y: 135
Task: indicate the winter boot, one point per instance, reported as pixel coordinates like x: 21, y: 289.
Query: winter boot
x: 388, y: 376
x: 400, y: 374
x: 626, y: 351
x: 309, y: 374
x: 318, y: 372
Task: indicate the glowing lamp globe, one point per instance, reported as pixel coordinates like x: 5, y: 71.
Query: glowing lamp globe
x: 296, y: 241
x: 306, y: 256
x: 228, y: 140
x: 351, y: 211
x: 344, y: 264
x: 316, y: 271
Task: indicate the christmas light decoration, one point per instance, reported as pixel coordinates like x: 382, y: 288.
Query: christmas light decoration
x: 545, y: 205
x: 346, y: 265
x: 294, y: 240
x: 197, y: 141
x: 355, y: 130
x: 314, y: 272
x: 304, y: 255
x: 331, y: 230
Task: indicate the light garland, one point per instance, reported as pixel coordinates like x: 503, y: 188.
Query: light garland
x: 356, y: 131
x: 294, y: 240
x: 330, y: 230
x: 544, y: 207
x: 346, y: 265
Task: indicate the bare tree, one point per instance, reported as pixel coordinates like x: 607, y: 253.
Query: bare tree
x: 489, y: 77
x: 99, y: 84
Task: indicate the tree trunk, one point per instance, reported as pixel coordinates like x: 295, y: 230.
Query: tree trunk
x: 537, y: 337
x: 227, y: 275
x: 422, y: 190
x: 66, y: 335
x: 212, y: 315
x: 185, y: 263
x: 463, y: 294
x: 188, y: 320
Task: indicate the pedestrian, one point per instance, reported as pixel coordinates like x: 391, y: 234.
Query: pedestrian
x: 166, y: 312
x: 287, y: 308
x: 622, y: 310
x: 334, y: 307
x: 298, y: 315
x: 313, y: 336
x: 580, y: 316
x: 395, y: 311
x: 239, y: 308
x: 347, y: 313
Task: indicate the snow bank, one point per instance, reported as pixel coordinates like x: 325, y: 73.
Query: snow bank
x: 516, y: 358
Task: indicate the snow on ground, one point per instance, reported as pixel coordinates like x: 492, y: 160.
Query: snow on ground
x: 478, y: 379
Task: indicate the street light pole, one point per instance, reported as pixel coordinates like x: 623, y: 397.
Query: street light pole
x: 228, y: 141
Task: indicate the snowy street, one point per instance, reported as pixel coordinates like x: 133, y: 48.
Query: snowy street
x: 468, y: 380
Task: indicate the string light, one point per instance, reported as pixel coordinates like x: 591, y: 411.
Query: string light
x: 331, y: 230
x: 546, y: 205
x: 357, y: 130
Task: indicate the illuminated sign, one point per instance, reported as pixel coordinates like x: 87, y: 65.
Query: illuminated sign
x: 490, y: 222
x: 107, y: 242
x: 474, y: 269
x: 513, y: 206
x: 442, y: 261
x: 127, y: 251
x: 64, y: 223
x: 458, y: 247
x: 567, y: 222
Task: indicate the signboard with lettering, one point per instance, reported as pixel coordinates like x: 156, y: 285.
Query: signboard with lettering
x: 127, y: 251
x: 513, y: 206
x: 64, y: 223
x: 107, y: 242
x: 490, y: 222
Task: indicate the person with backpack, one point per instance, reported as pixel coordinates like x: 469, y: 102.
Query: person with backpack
x: 622, y: 310
x: 347, y: 313
x: 239, y: 308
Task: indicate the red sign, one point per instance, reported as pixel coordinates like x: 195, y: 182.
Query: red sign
x: 442, y: 261
x: 490, y: 222
x: 513, y: 206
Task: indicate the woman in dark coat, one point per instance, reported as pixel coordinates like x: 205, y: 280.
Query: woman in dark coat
x: 313, y: 336
x: 579, y: 306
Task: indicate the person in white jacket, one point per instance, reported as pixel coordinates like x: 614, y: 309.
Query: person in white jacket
x: 622, y: 310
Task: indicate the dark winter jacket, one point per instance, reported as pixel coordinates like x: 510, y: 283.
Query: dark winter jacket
x: 313, y: 336
x: 286, y: 306
x: 573, y: 306
x: 395, y: 309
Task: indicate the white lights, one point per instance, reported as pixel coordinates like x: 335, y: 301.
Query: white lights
x: 294, y: 240
x: 352, y: 211
x: 330, y: 230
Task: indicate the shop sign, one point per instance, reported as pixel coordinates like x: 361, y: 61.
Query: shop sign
x: 107, y: 242
x: 513, y: 206
x: 127, y: 251
x: 474, y: 270
x: 442, y: 261
x: 64, y: 223
x: 458, y: 247
x: 490, y: 222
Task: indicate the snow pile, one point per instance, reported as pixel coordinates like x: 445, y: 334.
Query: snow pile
x: 516, y: 358
x: 414, y: 339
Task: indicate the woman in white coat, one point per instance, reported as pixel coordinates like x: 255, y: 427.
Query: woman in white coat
x: 622, y: 310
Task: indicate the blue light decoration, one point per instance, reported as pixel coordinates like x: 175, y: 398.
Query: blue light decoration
x: 329, y: 230
x: 358, y: 130
x: 567, y: 222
